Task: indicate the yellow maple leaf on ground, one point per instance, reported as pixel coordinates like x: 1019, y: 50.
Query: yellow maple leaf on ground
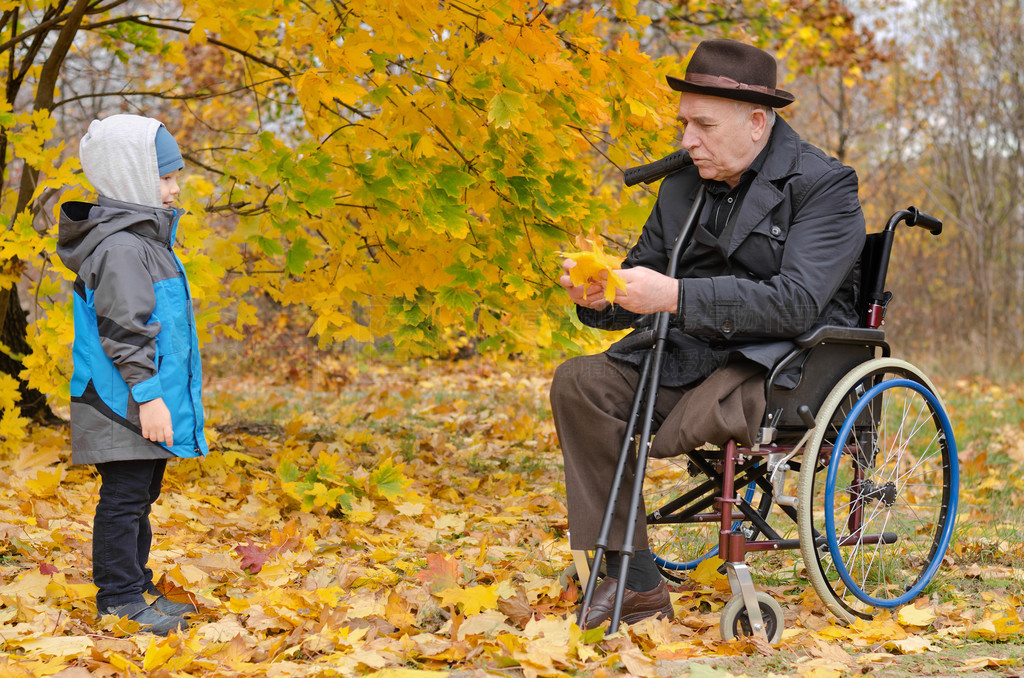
x: 822, y: 668
x: 593, y: 264
x: 912, y: 645
x: 979, y: 663
x: 912, y: 615
x: 158, y: 653
x: 707, y: 573
x: 57, y: 646
x: 45, y: 483
x: 473, y: 599
x: 997, y: 626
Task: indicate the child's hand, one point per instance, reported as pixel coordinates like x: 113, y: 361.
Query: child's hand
x: 155, y: 419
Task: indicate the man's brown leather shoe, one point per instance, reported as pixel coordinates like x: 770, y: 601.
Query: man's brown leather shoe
x: 635, y: 606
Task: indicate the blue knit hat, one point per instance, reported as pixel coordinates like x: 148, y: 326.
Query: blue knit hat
x: 168, y: 157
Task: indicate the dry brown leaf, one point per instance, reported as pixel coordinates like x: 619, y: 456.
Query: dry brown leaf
x: 517, y: 608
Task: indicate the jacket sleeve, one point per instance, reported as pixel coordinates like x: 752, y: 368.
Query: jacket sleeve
x: 824, y: 241
x: 124, y: 300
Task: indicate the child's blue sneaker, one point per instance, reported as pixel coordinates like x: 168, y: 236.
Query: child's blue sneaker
x: 168, y: 606
x: 161, y: 603
x: 152, y: 621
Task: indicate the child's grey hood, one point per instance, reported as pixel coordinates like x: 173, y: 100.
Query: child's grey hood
x: 118, y: 155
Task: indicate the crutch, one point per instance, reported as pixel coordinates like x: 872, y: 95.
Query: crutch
x: 645, y: 397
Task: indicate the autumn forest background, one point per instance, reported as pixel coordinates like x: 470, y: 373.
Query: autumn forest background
x: 379, y: 193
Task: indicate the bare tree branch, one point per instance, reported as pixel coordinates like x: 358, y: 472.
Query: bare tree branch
x: 47, y: 85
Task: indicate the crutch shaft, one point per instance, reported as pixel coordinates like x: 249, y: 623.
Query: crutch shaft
x: 601, y: 545
x: 646, y: 394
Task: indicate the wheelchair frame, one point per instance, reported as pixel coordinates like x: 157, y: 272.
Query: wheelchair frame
x: 827, y: 422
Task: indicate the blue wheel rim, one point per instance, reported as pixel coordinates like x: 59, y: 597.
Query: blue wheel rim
x: 833, y: 472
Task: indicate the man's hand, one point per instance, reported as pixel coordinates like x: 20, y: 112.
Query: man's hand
x: 155, y: 419
x: 590, y: 295
x: 648, y: 291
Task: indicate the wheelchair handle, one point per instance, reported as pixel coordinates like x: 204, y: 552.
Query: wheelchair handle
x: 658, y: 169
x: 913, y: 217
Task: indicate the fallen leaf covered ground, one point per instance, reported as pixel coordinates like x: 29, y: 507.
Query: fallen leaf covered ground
x: 407, y: 519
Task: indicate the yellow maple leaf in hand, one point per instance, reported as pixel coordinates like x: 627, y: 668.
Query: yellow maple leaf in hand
x: 591, y: 262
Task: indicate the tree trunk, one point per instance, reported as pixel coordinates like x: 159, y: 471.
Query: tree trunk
x: 14, y: 330
x: 13, y: 335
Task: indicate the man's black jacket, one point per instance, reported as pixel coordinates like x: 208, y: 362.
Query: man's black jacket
x: 787, y: 264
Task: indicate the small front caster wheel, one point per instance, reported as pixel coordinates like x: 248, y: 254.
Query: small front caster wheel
x: 567, y: 575
x: 572, y: 574
x: 735, y: 622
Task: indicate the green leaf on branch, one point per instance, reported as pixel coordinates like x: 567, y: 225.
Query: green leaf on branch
x: 505, y: 109
x: 298, y: 255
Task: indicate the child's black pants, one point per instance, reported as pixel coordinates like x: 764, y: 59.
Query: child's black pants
x: 121, y: 535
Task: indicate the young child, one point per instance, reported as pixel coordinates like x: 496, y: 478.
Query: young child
x: 136, y: 387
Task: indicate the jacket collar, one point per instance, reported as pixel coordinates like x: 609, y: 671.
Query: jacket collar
x: 783, y: 158
x: 782, y: 161
x: 157, y: 223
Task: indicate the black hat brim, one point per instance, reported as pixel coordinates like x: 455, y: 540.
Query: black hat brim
x: 781, y: 97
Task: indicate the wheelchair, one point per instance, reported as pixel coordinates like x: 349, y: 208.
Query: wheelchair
x: 863, y: 437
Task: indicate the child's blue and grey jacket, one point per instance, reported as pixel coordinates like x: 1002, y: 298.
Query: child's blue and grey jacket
x: 135, y: 337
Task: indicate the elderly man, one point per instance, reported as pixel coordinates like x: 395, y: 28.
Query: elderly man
x: 774, y: 254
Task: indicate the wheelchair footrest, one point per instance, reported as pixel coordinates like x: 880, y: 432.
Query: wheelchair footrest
x: 854, y: 539
x: 773, y: 545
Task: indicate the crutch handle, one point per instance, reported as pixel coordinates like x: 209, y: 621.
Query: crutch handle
x: 658, y: 169
x: 636, y: 341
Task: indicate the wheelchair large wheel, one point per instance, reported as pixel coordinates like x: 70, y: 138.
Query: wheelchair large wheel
x: 673, y: 485
x: 878, y: 489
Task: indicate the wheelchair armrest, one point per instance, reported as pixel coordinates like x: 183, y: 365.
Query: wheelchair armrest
x: 841, y: 335
x: 819, y: 360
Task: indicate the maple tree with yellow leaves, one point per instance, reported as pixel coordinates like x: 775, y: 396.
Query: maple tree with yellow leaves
x: 406, y: 173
